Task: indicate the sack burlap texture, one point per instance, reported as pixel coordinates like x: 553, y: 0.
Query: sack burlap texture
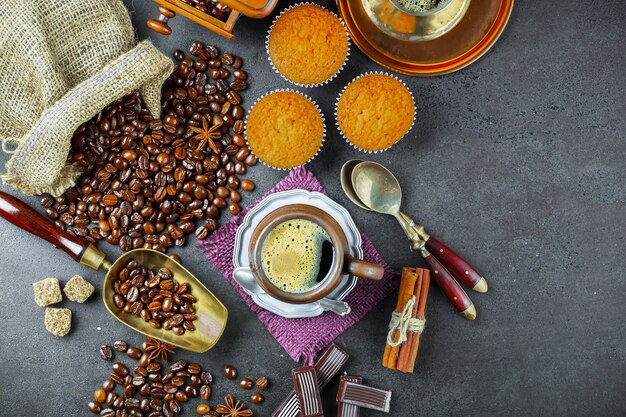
x: 62, y: 62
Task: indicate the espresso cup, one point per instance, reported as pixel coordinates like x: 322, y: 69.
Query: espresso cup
x: 342, y: 262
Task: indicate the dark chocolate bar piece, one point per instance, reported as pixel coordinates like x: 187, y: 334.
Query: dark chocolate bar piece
x: 364, y: 396
x: 326, y: 367
x: 307, y: 391
x: 345, y: 409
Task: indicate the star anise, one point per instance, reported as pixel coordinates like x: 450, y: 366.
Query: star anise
x: 155, y: 348
x: 233, y: 409
x: 208, y: 133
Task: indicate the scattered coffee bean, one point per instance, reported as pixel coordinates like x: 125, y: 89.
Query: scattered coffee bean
x: 152, y: 391
x: 257, y: 398
x: 94, y: 407
x: 108, y: 385
x: 133, y: 352
x: 120, y: 346
x: 262, y: 382
x: 247, y: 185
x: 205, y: 392
x: 203, y: 409
x: 246, y: 383
x: 230, y: 372
x: 99, y: 395
x: 106, y: 353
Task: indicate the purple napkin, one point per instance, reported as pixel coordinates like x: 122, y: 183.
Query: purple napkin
x: 306, y: 336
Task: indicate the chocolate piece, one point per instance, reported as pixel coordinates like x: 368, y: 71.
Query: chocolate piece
x: 345, y: 409
x: 364, y: 396
x: 307, y: 391
x: 326, y: 368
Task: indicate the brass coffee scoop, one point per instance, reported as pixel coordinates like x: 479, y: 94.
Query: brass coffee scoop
x: 212, y: 314
x: 373, y: 187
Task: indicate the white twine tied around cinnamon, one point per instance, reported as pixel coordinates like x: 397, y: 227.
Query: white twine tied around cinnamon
x: 403, y: 322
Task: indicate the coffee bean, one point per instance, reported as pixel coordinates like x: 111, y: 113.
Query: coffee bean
x: 257, y: 398
x: 196, y: 48
x: 94, y: 407
x: 203, y: 409
x: 107, y: 412
x: 246, y: 383
x: 206, y: 377
x: 230, y: 372
x: 133, y: 352
x: 108, y: 385
x: 106, y: 353
x: 247, y: 185
x: 251, y: 160
x: 261, y: 382
x: 194, y: 368
x: 178, y: 55
x: 99, y: 395
x: 234, y: 209
x: 120, y: 369
x: 240, y: 74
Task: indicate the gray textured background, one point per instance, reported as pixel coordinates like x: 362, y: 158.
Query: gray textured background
x: 517, y: 162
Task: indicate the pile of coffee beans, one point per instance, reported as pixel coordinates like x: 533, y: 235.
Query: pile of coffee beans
x: 151, y: 390
x: 214, y: 8
x: 146, y: 181
x: 156, y: 297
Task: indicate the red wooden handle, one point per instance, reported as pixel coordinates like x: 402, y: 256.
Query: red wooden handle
x: 25, y: 217
x: 451, y: 288
x: 457, y: 266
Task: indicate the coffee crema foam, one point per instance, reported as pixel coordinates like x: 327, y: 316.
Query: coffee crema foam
x: 418, y: 6
x: 292, y: 254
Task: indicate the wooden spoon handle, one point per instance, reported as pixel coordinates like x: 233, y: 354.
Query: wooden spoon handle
x: 25, y: 217
x: 458, y: 266
x: 451, y: 288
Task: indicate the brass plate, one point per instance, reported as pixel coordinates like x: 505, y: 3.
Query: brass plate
x: 468, y: 40
x: 212, y: 315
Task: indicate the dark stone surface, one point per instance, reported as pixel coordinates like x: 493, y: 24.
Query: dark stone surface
x: 517, y: 162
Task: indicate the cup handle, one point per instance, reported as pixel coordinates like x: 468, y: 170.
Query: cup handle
x: 363, y: 269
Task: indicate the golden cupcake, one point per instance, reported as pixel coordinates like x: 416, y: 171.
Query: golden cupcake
x: 285, y: 129
x: 307, y: 44
x: 375, y: 111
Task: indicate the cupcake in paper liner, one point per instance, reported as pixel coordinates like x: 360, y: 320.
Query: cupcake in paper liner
x: 374, y: 111
x: 307, y: 45
x: 285, y: 129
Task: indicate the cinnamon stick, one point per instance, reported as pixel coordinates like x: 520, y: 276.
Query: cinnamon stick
x: 414, y: 338
x: 407, y: 286
x: 404, y: 354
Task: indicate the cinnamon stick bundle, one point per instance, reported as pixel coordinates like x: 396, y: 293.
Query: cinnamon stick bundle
x: 407, y: 320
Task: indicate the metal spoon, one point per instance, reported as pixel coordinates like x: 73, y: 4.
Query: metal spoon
x: 373, y: 187
x: 457, y: 265
x: 245, y: 278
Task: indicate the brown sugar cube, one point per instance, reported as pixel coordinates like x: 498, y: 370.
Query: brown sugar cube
x: 78, y: 289
x: 58, y: 321
x: 47, y: 292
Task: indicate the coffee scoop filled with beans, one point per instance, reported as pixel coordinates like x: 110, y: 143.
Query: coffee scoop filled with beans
x: 145, y: 289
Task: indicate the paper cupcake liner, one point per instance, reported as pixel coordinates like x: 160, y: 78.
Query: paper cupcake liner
x: 290, y: 90
x: 337, y: 106
x: 269, y: 58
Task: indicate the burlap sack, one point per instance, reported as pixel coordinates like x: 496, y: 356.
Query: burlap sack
x: 61, y: 62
